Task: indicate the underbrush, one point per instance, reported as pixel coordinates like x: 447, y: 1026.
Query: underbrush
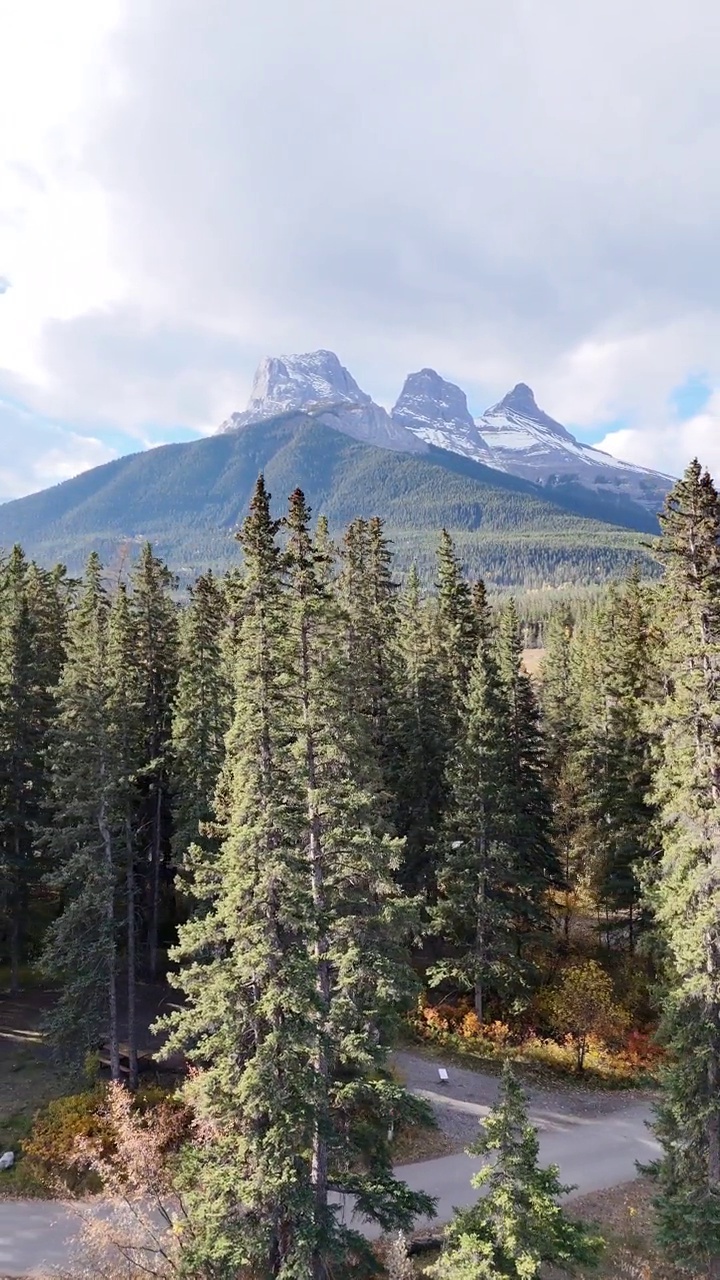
x: 630, y: 1062
x: 46, y: 1146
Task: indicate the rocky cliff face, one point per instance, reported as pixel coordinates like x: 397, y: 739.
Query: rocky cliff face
x: 437, y: 411
x: 316, y: 383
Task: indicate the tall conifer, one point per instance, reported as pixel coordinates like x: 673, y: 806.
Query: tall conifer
x: 202, y: 712
x: 154, y: 617
x: 686, y: 896
x: 81, y: 947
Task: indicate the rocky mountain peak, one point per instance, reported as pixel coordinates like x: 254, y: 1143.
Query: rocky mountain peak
x: 520, y: 403
x: 285, y: 383
x: 521, y: 399
x: 427, y: 389
x: 317, y: 384
x: 437, y: 411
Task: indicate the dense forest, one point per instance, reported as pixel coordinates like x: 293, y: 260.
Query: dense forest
x: 326, y: 806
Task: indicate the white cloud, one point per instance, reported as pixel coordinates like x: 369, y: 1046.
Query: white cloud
x: 506, y: 192
x: 670, y: 446
x: 37, y: 454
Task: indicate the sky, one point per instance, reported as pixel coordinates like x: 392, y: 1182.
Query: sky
x: 499, y: 189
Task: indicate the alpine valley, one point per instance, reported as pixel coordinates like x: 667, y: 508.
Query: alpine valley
x: 526, y: 503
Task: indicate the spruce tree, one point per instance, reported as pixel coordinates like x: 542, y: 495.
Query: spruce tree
x: 154, y: 616
x: 125, y: 711
x: 536, y: 866
x: 475, y: 909
x: 81, y: 947
x: 369, y: 608
x: 292, y: 973
x: 686, y: 895
x: 518, y: 1226
x: 202, y: 713
x: 31, y: 649
x: 565, y: 776
x: 419, y: 774
x: 615, y: 753
x: 456, y: 621
x: 363, y: 978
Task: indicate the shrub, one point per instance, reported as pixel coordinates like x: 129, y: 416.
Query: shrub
x: 584, y: 1008
x: 83, y: 1118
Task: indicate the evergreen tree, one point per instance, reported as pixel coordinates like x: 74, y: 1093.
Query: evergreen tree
x: 202, y: 713
x: 81, y: 947
x: 528, y: 816
x: 367, y: 593
x: 31, y: 647
x: 125, y: 711
x: 686, y: 895
x: 518, y: 1225
x: 418, y: 777
x: 457, y: 621
x: 566, y: 779
x: 475, y: 910
x: 294, y: 969
x: 154, y: 617
x: 615, y: 752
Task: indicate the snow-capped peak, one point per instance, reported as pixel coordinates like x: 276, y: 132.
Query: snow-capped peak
x: 437, y: 411
x: 316, y: 383
x: 527, y: 442
x: 314, y: 378
x: 520, y: 406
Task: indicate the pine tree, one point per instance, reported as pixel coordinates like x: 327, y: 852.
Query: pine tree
x: 293, y: 971
x: 202, y: 713
x: 565, y: 776
x: 475, y: 910
x: 154, y: 618
x: 31, y: 648
x: 536, y: 867
x: 81, y: 948
x: 518, y: 1225
x: 686, y: 895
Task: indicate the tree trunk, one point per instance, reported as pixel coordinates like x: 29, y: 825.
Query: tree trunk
x: 131, y: 956
x: 14, y: 949
x: 319, y: 1168
x: 155, y: 890
x: 114, y: 1045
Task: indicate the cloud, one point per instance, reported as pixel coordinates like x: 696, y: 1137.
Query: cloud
x: 696, y: 437
x: 35, y: 454
x: 506, y: 192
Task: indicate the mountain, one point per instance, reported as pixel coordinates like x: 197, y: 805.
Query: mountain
x: 188, y: 499
x: 317, y: 381
x: 437, y: 411
x: 527, y: 442
x: 517, y: 437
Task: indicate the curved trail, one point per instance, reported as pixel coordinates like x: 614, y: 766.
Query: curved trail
x: 594, y: 1139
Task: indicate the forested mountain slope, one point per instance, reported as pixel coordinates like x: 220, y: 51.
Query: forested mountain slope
x: 188, y: 498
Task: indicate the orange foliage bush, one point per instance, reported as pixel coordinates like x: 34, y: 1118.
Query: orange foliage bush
x: 72, y: 1121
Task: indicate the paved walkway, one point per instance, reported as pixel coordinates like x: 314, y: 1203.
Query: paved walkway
x: 595, y: 1139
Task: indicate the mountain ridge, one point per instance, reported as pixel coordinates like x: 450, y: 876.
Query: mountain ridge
x: 514, y: 436
x: 188, y: 498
